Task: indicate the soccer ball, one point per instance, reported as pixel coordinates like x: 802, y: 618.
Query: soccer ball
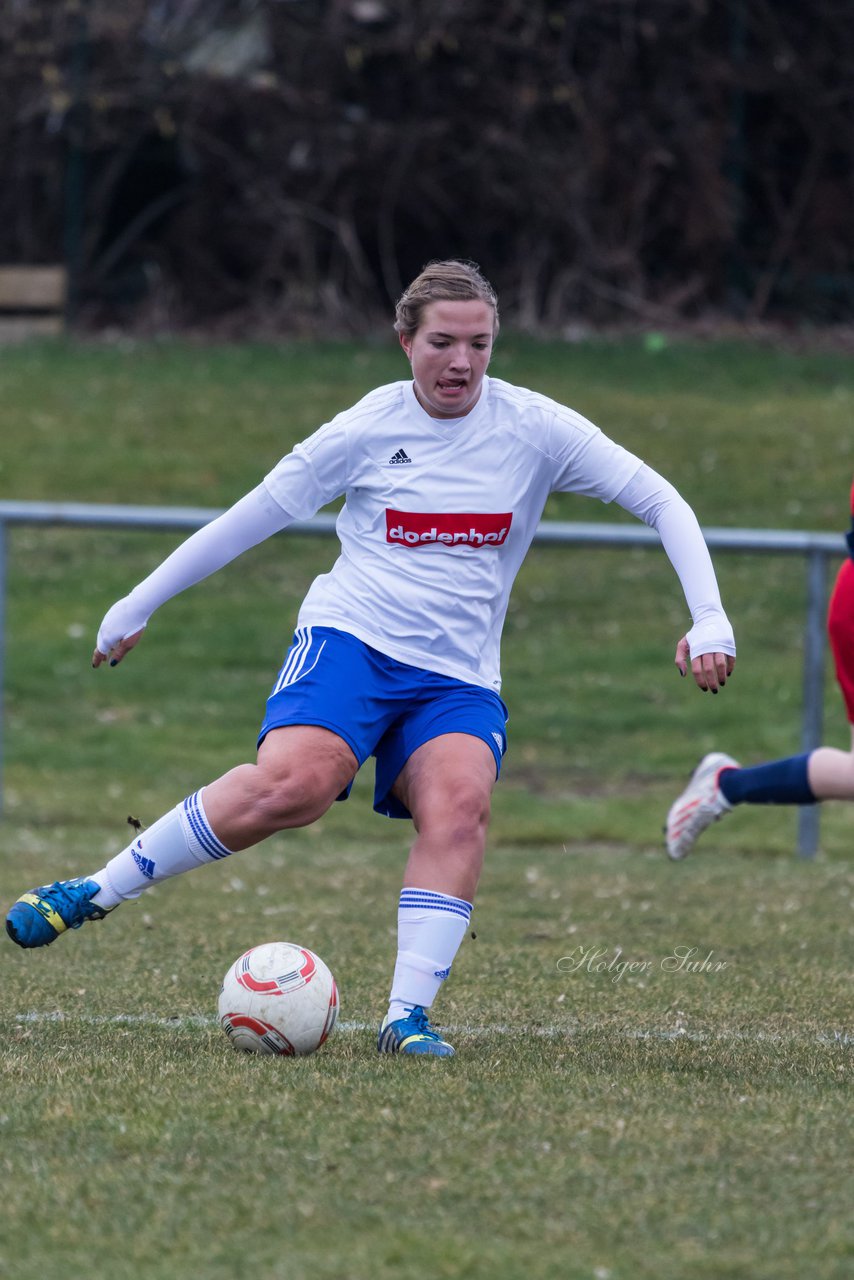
x: 278, y: 998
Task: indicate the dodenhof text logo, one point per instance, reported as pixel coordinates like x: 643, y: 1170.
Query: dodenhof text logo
x: 451, y: 529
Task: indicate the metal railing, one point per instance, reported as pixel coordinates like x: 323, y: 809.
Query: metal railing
x: 816, y: 548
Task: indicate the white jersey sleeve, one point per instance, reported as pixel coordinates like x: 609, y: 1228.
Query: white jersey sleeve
x: 314, y: 473
x: 655, y: 501
x: 250, y: 521
x: 587, y: 461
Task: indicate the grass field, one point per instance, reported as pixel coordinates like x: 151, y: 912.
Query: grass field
x: 689, y: 1116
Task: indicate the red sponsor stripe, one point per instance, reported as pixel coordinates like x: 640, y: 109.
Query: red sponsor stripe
x: 450, y: 529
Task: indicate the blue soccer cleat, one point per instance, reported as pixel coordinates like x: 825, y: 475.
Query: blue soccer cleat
x: 38, y: 917
x: 412, y: 1035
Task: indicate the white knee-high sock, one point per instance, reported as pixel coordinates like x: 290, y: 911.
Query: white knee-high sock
x: 430, y: 928
x: 180, y: 840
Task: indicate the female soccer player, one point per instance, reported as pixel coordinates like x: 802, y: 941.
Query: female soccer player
x: 719, y: 783
x: 396, y: 650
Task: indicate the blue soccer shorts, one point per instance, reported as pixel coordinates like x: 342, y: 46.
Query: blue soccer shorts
x: 379, y: 706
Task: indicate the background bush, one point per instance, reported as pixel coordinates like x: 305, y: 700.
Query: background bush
x: 269, y: 164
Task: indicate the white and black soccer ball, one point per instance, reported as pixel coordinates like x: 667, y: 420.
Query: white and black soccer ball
x: 278, y: 998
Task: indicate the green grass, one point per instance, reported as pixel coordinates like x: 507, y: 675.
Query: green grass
x: 656, y: 1124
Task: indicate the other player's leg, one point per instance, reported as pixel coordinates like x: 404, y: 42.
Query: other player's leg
x: 699, y: 805
x: 718, y: 784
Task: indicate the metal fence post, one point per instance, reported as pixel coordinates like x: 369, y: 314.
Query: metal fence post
x: 811, y: 730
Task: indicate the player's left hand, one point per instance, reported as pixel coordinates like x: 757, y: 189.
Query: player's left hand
x: 710, y: 670
x: 117, y: 651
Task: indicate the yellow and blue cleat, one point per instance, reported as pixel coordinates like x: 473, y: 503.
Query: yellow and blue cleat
x: 40, y: 916
x: 412, y: 1035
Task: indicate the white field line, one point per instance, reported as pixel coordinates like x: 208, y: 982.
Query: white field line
x: 830, y: 1037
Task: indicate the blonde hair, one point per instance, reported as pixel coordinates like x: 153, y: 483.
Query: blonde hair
x: 452, y: 280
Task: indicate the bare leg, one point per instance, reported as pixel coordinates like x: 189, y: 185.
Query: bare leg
x: 446, y: 785
x: 301, y: 769
x: 831, y: 773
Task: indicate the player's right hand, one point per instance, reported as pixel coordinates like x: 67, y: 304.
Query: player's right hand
x: 710, y: 670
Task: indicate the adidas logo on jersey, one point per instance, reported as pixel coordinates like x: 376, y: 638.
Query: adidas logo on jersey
x: 398, y: 458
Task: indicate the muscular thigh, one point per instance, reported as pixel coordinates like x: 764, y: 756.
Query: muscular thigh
x: 308, y: 759
x: 463, y: 719
x: 448, y: 776
x: 299, y: 772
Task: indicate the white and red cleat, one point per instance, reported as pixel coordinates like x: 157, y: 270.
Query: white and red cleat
x: 700, y: 804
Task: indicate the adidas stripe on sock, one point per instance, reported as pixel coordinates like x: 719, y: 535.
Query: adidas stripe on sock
x: 177, y: 842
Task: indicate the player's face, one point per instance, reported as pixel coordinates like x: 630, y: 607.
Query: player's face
x: 449, y: 352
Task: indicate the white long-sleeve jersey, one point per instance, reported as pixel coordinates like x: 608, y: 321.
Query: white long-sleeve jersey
x: 437, y: 519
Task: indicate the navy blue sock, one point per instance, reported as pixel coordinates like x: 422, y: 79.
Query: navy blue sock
x: 780, y: 782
